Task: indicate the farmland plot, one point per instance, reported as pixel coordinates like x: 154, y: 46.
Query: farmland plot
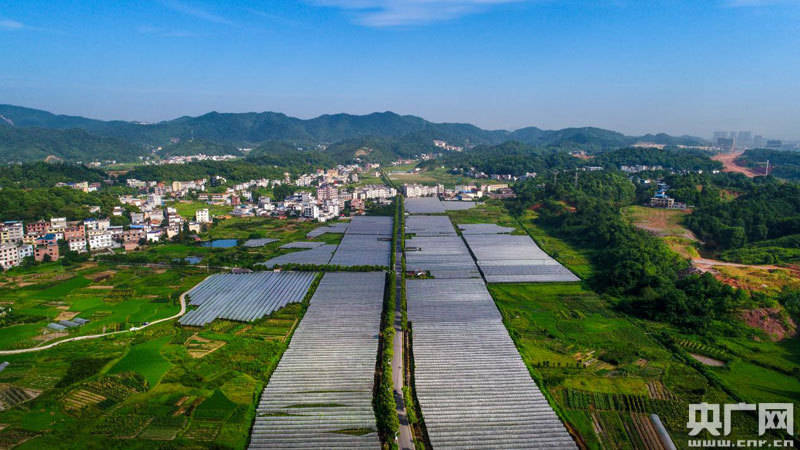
x: 245, y: 297
x: 367, y: 242
x: 505, y: 258
x: 473, y: 387
x: 320, y: 395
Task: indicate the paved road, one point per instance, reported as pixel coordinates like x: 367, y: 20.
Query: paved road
x: 405, y: 438
x: 95, y: 336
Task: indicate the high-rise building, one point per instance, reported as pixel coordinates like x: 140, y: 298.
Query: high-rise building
x: 744, y: 139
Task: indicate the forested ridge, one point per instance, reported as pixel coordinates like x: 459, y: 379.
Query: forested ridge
x: 34, y: 134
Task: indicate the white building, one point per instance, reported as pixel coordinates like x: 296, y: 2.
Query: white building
x: 25, y: 250
x: 58, y: 223
x: 9, y: 256
x: 99, y: 239
x: 77, y: 245
x: 418, y: 190
x: 311, y: 210
x: 202, y: 216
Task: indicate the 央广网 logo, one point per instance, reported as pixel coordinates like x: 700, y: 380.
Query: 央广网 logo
x: 716, y: 420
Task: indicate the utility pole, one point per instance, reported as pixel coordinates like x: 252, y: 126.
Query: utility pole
x: 576, y: 179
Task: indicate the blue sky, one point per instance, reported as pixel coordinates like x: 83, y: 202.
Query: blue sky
x: 631, y: 65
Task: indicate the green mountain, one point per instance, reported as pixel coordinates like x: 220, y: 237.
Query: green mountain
x: 383, y: 135
x: 36, y: 144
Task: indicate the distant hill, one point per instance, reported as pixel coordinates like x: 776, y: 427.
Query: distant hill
x: 382, y: 135
x: 37, y: 144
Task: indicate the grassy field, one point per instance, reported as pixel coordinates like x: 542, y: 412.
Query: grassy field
x: 491, y: 211
x: 433, y: 176
x: 110, y: 297
x: 187, y: 208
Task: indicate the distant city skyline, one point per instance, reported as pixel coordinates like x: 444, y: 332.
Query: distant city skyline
x: 679, y: 67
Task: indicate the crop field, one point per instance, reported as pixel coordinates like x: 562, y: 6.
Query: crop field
x: 593, y: 359
x: 109, y: 297
x: 162, y: 386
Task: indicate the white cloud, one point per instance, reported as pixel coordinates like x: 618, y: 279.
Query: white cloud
x: 8, y: 24
x: 190, y: 10
x: 389, y: 13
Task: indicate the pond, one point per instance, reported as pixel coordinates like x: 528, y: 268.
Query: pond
x: 221, y: 243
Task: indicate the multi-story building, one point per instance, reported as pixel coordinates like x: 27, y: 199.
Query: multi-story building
x: 39, y: 227
x: 25, y: 250
x: 11, y: 232
x: 77, y: 245
x: 99, y: 239
x: 45, y: 252
x: 328, y: 192
x: 310, y: 210
x: 202, y: 216
x: 58, y: 223
x: 74, y: 232
x: 9, y: 256
x: 153, y: 236
x: 418, y: 190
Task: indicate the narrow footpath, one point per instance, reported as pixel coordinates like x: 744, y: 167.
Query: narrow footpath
x: 405, y: 439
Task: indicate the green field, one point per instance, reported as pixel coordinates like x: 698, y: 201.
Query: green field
x: 145, y: 359
x: 160, y: 387
x: 433, y: 176
x: 110, y: 297
x: 187, y: 208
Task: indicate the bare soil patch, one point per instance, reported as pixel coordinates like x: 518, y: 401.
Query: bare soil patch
x: 771, y: 321
x: 707, y: 361
x: 66, y: 315
x: 198, y: 347
x: 42, y: 338
x: 728, y: 161
x: 99, y: 276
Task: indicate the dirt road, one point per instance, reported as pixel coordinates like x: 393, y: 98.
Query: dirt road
x: 728, y: 161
